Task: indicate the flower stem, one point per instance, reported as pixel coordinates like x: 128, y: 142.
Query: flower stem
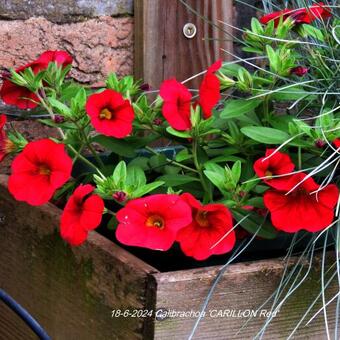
x: 50, y: 112
x: 299, y: 158
x: 85, y: 160
x: 170, y: 161
x: 61, y: 132
x: 89, y: 145
x: 208, y: 193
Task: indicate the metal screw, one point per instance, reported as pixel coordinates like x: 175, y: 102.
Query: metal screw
x: 189, y: 30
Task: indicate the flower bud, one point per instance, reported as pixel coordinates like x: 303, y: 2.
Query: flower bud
x: 59, y: 119
x: 319, y: 143
x: 120, y: 196
x: 299, y: 71
x: 157, y: 121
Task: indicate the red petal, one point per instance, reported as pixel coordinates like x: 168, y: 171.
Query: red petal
x: 120, y: 125
x: 3, y: 121
x: 176, y: 106
x: 133, y: 231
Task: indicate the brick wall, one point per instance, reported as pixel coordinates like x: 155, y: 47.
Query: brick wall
x: 97, y: 33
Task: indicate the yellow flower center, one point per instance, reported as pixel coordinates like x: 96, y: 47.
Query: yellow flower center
x: 155, y: 221
x: 106, y: 114
x: 8, y: 146
x: 201, y: 218
x: 268, y: 173
x: 44, y: 170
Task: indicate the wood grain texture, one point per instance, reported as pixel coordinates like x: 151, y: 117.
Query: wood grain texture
x: 12, y: 327
x: 161, y: 49
x: 70, y: 291
x: 244, y: 286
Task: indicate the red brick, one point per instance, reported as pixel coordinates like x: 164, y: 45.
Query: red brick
x: 99, y: 46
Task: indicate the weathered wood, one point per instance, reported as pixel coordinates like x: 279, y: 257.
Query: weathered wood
x: 244, y: 287
x: 161, y: 49
x: 70, y: 291
x: 12, y: 327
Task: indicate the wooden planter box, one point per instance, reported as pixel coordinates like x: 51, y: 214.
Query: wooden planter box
x: 72, y: 291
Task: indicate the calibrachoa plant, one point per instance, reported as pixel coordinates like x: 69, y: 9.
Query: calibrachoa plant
x: 238, y: 164
x: 254, y: 152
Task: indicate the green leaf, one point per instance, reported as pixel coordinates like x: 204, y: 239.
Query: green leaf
x: 291, y: 93
x: 113, y: 223
x: 180, y: 134
x: 65, y: 125
x: 256, y: 27
x: 135, y: 176
x: 255, y: 202
x: 60, y: 107
x: 224, y: 159
x: 252, y: 50
x: 216, y: 174
x: 142, y: 162
x: 183, y: 155
x: 311, y: 31
x: 273, y: 59
x: 119, y: 174
x: 175, y: 180
x: 171, y: 170
x: 239, y: 107
x: 147, y: 188
x: 252, y: 223
x: 236, y: 171
x: 79, y: 100
x: 118, y: 146
x: 265, y: 135
x: 156, y: 162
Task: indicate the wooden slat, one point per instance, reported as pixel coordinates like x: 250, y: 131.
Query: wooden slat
x: 161, y: 49
x: 244, y: 286
x: 70, y: 291
x: 12, y: 327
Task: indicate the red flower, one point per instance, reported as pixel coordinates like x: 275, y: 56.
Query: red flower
x: 336, y: 142
x: 152, y: 221
x: 3, y: 121
x: 299, y: 16
x: 62, y: 58
x: 42, y: 167
x: 176, y: 106
x: 276, y: 16
x: 20, y: 96
x: 110, y: 113
x: 300, y: 71
x: 210, y: 232
x: 278, y: 164
x: 302, y: 208
x: 210, y: 90
x: 6, y: 145
x: 82, y: 213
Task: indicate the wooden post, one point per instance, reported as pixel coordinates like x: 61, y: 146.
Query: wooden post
x: 161, y: 49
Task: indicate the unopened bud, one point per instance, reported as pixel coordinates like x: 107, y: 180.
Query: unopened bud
x: 120, y: 196
x: 59, y: 119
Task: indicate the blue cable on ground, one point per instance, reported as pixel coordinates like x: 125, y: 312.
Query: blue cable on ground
x: 22, y: 312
